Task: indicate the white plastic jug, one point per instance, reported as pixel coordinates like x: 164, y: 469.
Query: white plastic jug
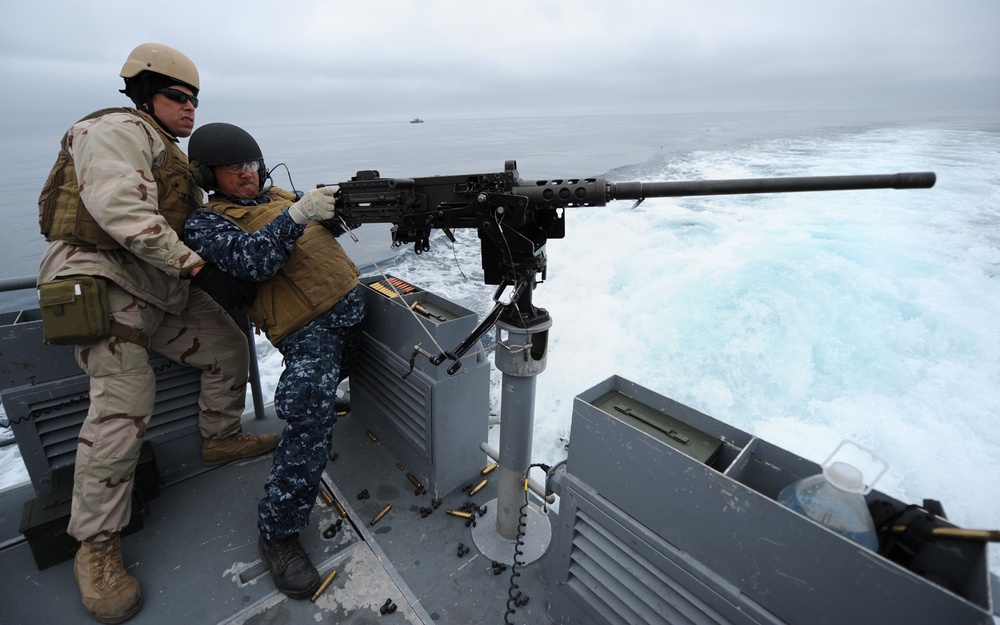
x: 835, y: 498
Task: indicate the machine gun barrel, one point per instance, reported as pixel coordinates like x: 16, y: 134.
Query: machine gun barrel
x: 641, y: 190
x: 516, y: 217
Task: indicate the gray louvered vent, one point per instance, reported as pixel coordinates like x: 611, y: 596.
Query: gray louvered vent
x: 624, y: 587
x: 46, y: 418
x: 379, y: 377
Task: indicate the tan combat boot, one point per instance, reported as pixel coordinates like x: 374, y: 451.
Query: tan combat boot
x: 109, y: 593
x: 216, y: 451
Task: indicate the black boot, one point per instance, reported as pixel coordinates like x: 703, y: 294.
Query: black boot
x: 293, y: 572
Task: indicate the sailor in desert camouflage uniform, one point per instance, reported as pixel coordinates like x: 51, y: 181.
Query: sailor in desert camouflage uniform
x: 114, y: 206
x: 310, y: 307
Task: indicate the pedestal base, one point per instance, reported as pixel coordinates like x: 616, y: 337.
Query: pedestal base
x: 536, y: 539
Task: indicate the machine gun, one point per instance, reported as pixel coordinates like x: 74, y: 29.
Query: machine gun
x: 515, y: 218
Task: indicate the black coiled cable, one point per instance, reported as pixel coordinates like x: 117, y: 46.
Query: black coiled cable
x: 515, y: 598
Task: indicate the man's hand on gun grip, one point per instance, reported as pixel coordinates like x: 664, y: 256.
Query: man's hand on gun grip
x: 317, y: 204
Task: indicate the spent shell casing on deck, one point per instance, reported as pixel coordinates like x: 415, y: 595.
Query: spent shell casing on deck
x: 382, y: 513
x: 322, y: 587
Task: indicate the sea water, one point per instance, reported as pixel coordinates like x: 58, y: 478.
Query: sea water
x: 803, y: 319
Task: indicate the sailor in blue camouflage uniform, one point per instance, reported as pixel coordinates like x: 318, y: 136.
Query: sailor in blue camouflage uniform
x: 308, y: 304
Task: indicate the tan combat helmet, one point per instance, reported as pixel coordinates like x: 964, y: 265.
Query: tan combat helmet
x: 164, y: 60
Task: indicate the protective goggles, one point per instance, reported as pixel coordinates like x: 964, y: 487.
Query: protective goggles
x: 239, y: 168
x: 178, y: 96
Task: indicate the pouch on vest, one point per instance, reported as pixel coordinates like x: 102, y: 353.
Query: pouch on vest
x: 74, y: 310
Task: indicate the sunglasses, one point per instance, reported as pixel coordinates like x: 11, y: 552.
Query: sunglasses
x: 179, y: 96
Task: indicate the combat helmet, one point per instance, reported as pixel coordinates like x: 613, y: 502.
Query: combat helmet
x: 153, y: 66
x: 220, y: 143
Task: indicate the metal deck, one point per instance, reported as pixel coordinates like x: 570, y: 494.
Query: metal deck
x: 196, y: 556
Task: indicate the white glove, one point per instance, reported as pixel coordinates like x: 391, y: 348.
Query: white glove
x: 318, y: 204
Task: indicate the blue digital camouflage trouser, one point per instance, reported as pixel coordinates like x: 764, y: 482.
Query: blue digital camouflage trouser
x: 316, y: 356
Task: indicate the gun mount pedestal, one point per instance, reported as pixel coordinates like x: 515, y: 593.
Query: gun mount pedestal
x: 520, y: 356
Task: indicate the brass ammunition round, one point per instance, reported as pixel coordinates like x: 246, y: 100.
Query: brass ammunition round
x: 326, y: 582
x: 489, y: 468
x: 382, y: 513
x: 460, y: 514
x: 478, y: 487
x: 413, y: 480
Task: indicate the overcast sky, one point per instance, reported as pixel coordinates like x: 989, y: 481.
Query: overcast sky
x: 395, y: 59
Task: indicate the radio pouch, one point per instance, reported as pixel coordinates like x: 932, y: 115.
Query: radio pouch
x: 74, y: 310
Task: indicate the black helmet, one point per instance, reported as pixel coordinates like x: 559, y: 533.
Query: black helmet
x: 222, y: 144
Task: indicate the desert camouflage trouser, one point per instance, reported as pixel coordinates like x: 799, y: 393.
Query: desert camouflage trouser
x: 122, y: 391
x: 317, y: 356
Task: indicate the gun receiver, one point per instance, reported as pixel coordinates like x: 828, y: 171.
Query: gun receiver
x: 514, y: 218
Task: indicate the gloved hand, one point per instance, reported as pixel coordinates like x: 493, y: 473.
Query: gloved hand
x: 229, y: 292
x: 316, y: 204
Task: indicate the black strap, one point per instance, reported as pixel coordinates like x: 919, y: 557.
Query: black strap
x: 130, y: 334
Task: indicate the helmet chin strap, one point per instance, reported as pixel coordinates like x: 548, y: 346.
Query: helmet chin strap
x: 144, y: 91
x: 148, y: 109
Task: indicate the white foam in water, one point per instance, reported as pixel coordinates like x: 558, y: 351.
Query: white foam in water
x: 803, y: 319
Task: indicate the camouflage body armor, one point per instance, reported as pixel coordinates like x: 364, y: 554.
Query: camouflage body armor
x: 63, y: 216
x: 318, y: 274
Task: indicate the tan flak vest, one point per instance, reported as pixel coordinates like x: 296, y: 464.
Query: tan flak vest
x: 318, y: 274
x: 63, y: 216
